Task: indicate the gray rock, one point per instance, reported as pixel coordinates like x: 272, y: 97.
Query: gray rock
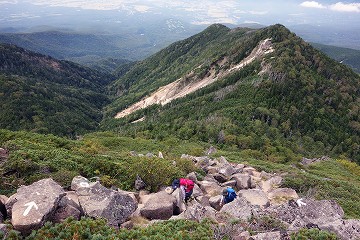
x: 231, y: 183
x: 159, y: 206
x: 211, y: 150
x: 69, y: 206
x: 227, y: 170
x: 3, y: 212
x: 271, y: 183
x: 243, y: 181
x: 179, y: 203
x: 255, y: 197
x: 215, y: 202
x: 220, y: 177
x: 267, y: 236
x: 282, y: 195
x: 33, y: 205
x: 197, y: 192
x: 308, y: 161
x: 197, y: 212
x: 239, y: 209
x: 139, y: 183
x: 79, y: 182
x: 345, y: 229
x: 4, y: 230
x: 210, y: 188
x: 100, y: 202
x: 321, y: 212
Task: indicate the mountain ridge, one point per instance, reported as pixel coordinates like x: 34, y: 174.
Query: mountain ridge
x: 294, y: 90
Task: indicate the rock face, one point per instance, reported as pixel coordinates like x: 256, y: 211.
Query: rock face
x: 33, y: 205
x: 100, y: 202
x: 255, y: 197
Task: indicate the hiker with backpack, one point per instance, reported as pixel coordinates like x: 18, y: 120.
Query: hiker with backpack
x: 186, y: 187
x: 228, y: 195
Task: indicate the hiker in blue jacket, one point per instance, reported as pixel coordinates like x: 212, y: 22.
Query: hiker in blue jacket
x: 228, y: 195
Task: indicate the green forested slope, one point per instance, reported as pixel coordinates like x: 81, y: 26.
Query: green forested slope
x: 302, y: 102
x: 39, y: 93
x: 347, y: 56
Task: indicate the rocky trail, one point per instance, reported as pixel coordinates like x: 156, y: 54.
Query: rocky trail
x: 259, y: 196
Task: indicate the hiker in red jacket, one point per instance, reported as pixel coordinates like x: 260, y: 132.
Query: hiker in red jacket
x: 185, y: 185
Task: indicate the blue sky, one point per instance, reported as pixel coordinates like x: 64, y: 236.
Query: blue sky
x: 199, y: 12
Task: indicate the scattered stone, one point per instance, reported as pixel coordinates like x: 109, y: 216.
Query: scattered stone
x: 308, y: 161
x: 231, y: 183
x: 211, y: 150
x: 249, y: 170
x: 227, y: 170
x: 160, y: 155
x: 150, y: 155
x: 139, y: 183
x: 268, y: 236
x: 210, y: 188
x: 79, y: 182
x: 220, y: 177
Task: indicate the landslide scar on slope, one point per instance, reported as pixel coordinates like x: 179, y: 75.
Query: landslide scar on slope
x: 183, y: 86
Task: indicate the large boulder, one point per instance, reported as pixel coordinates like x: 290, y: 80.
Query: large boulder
x: 271, y: 184
x: 79, y: 182
x: 31, y: 206
x: 69, y: 206
x: 210, y: 188
x: 321, y: 212
x: 215, y: 202
x: 159, y: 206
x: 99, y: 202
x: 345, y: 229
x: 197, y: 192
x: 240, y: 208
x: 243, y: 181
x: 282, y: 195
x: 179, y: 201
x: 197, y: 212
x: 255, y: 197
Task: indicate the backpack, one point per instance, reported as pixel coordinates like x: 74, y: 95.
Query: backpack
x: 187, y: 183
x: 231, y: 195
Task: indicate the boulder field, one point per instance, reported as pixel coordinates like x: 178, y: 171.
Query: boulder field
x: 259, y: 195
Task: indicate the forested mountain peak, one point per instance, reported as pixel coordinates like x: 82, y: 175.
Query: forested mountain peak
x: 292, y: 95
x: 19, y: 61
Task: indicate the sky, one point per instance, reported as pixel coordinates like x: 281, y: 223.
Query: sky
x: 198, y: 12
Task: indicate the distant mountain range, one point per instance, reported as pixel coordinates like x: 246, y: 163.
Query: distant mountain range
x: 100, y: 50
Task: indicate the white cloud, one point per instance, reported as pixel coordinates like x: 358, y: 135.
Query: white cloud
x: 312, y: 4
x: 345, y: 7
x: 142, y: 8
x: 9, y: 2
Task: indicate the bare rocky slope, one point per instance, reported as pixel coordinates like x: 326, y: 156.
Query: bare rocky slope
x: 190, y: 83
